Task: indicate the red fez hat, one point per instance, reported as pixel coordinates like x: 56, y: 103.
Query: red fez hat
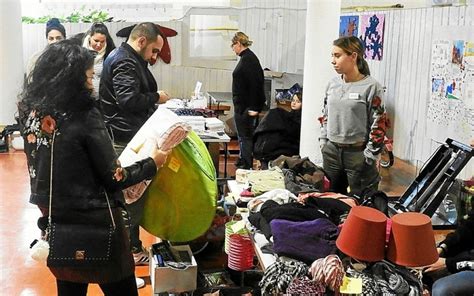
x: 363, y: 234
x: 412, y: 242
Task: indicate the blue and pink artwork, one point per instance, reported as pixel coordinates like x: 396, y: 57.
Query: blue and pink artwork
x: 437, y: 85
x: 371, y: 29
x: 457, y: 52
x: 349, y: 26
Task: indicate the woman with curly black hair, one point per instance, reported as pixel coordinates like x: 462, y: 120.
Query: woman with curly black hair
x: 58, y: 114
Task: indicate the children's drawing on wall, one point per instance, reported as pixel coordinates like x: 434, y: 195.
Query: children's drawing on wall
x: 453, y: 92
x: 440, y: 58
x: 451, y: 106
x: 469, y: 49
x: 437, y: 85
x: 469, y: 57
x: 371, y: 29
x: 469, y: 102
x: 457, y: 52
x: 349, y: 26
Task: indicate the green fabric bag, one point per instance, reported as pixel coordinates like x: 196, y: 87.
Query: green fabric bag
x: 180, y: 202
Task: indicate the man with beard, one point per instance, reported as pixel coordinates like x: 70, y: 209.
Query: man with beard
x: 129, y: 95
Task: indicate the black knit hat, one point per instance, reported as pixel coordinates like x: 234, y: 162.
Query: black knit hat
x: 54, y: 24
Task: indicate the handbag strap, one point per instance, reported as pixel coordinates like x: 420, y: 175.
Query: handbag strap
x: 51, y: 188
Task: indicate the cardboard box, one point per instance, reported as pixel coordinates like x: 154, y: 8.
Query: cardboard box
x: 167, y: 279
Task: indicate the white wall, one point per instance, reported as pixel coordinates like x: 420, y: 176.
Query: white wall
x: 321, y: 16
x: 279, y: 34
x: 278, y: 31
x: 11, y: 74
x: 405, y: 71
x: 125, y: 10
x: 165, y: 10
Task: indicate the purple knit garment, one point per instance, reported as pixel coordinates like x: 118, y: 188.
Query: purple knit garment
x: 305, y: 241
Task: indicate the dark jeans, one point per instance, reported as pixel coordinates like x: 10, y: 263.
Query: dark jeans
x: 245, y: 125
x: 459, y: 284
x: 347, y: 166
x: 125, y: 287
x: 134, y: 213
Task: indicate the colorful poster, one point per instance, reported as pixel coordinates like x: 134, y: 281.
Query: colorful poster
x: 440, y: 55
x: 437, y: 85
x: 457, y: 52
x: 349, y: 26
x: 451, y: 106
x: 469, y: 49
x: 371, y: 29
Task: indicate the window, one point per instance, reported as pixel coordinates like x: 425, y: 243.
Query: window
x: 207, y: 38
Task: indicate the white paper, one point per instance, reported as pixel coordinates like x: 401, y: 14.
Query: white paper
x: 197, y: 89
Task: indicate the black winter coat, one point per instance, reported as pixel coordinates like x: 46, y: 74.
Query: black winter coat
x: 128, y: 92
x: 460, y: 244
x: 247, y: 84
x: 84, y: 162
x: 277, y: 134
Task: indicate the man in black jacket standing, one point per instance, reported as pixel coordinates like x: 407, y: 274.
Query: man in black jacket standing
x: 129, y: 95
x: 247, y: 95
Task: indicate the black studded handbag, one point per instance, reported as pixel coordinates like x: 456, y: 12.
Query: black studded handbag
x: 87, y: 245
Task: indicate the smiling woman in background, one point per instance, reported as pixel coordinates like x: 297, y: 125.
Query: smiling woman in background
x: 99, y: 40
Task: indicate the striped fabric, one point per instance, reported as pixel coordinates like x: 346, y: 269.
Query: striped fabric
x: 279, y: 276
x: 328, y: 271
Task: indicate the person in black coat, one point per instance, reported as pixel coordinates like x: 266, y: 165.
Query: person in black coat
x: 247, y: 95
x: 129, y: 96
x: 57, y: 111
x: 457, y: 258
x: 128, y: 91
x: 279, y: 133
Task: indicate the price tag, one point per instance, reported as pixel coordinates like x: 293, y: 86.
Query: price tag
x: 237, y: 227
x: 351, y: 286
x: 174, y: 164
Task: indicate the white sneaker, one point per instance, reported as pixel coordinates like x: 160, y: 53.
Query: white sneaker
x: 140, y: 282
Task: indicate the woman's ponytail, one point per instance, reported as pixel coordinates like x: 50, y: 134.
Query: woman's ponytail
x: 363, y: 66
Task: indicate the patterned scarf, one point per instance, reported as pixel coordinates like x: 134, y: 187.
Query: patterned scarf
x: 305, y: 286
x: 280, y: 274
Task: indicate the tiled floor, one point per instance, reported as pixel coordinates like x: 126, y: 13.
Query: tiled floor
x: 20, y: 275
